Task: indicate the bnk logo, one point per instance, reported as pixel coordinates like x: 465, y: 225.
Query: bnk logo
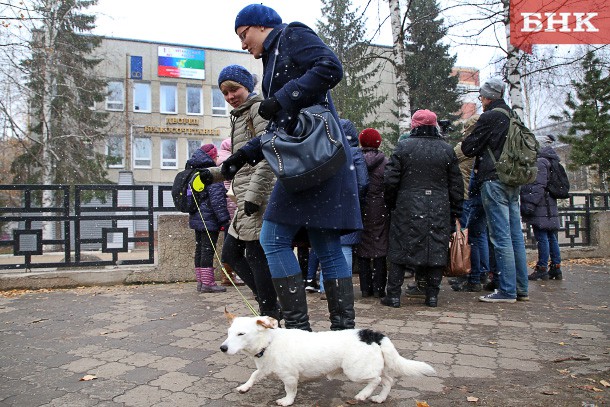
x: 559, y: 22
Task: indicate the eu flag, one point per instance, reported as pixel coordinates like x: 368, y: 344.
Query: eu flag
x: 136, y: 67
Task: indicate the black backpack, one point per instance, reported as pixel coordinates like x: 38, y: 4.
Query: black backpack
x: 558, y: 184
x: 179, y: 191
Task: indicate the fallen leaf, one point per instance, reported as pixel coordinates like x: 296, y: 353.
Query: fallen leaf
x: 352, y: 402
x: 421, y: 404
x: 604, y: 383
x: 562, y: 343
x: 549, y: 393
x: 576, y: 335
x: 493, y: 342
x: 590, y: 387
x: 173, y: 315
x: 87, y: 378
x: 563, y: 371
x: 472, y: 399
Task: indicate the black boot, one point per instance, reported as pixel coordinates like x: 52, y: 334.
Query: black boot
x: 433, y: 286
x: 396, y: 277
x: 540, y: 273
x: 555, y: 271
x: 291, y: 293
x: 419, y: 291
x: 340, y: 297
x: 380, y: 276
x: 365, y: 276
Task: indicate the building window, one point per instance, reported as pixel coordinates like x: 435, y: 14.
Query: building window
x: 115, y: 152
x: 219, y: 105
x: 194, y: 100
x: 193, y: 145
x: 168, y: 95
x: 169, y: 157
x: 142, y: 152
x: 141, y: 97
x: 116, y: 95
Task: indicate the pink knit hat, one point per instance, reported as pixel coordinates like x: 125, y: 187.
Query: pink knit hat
x: 210, y: 149
x: 423, y: 117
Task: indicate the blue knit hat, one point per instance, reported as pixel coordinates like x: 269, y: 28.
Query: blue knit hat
x: 239, y: 74
x: 257, y: 14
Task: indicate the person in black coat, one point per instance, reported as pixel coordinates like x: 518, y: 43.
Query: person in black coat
x: 207, y: 222
x: 425, y: 191
x: 298, y: 71
x: 539, y: 209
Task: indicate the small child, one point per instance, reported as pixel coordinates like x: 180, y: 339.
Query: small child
x: 208, y: 221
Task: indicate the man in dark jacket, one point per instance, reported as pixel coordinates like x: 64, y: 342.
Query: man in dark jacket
x: 500, y: 201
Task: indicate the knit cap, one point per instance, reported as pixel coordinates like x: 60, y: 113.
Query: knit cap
x: 423, y: 117
x: 210, y: 149
x: 237, y: 73
x: 370, y: 138
x: 546, y: 140
x: 257, y: 15
x: 492, y: 89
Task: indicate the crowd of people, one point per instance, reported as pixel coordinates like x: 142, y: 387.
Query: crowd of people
x: 390, y: 217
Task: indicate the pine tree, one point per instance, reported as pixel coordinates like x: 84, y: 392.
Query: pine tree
x: 63, y: 86
x: 428, y: 62
x: 589, y: 112
x: 344, y: 32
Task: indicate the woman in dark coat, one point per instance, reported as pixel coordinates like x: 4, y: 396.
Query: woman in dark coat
x: 373, y: 246
x: 207, y: 222
x: 539, y: 209
x: 298, y: 71
x: 425, y: 191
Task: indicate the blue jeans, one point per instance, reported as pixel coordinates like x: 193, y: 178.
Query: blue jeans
x: 466, y: 212
x: 276, y: 239
x: 478, y: 239
x: 501, y: 204
x: 314, y: 261
x: 547, y: 246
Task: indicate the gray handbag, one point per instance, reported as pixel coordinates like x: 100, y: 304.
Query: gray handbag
x: 310, y: 155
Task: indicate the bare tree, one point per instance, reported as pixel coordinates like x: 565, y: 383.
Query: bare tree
x: 402, y: 85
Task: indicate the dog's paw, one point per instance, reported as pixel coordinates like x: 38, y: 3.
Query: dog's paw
x: 377, y: 399
x: 243, y: 388
x: 284, y: 401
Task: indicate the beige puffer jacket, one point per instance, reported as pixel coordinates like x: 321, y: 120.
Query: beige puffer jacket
x: 253, y: 184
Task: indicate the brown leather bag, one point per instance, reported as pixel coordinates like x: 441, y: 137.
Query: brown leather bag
x: 459, y: 253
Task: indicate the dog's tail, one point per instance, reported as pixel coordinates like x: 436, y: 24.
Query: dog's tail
x: 401, y: 366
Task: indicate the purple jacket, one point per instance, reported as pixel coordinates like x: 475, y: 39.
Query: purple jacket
x: 538, y: 208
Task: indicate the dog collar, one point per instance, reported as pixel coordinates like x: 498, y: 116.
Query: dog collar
x: 260, y: 354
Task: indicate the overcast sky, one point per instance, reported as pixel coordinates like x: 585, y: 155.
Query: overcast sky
x: 210, y: 23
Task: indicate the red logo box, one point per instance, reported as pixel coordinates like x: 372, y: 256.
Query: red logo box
x: 559, y: 22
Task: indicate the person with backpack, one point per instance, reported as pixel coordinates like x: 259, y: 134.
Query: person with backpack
x: 539, y: 209
x: 209, y: 218
x: 500, y: 200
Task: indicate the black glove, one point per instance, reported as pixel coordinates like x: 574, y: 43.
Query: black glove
x: 201, y: 179
x: 268, y: 108
x: 251, y: 208
x: 231, y: 165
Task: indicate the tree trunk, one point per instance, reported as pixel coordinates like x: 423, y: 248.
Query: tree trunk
x: 402, y: 87
x: 513, y: 75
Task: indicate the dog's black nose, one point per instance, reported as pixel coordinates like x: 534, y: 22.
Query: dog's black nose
x: 224, y: 348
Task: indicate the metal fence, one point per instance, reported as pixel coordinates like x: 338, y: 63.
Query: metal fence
x: 105, y: 225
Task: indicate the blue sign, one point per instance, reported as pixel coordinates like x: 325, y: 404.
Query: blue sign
x: 136, y: 68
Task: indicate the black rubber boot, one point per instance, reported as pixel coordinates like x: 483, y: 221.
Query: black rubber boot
x: 340, y: 297
x: 555, y: 272
x: 380, y: 276
x: 291, y: 293
x: 540, y: 273
x: 433, y: 286
x: 365, y: 276
x: 419, y: 291
x: 396, y: 278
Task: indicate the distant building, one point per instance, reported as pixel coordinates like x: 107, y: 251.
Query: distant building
x: 468, y: 88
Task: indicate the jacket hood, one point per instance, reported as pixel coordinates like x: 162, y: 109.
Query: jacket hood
x: 199, y: 159
x: 373, y: 157
x: 548, y: 153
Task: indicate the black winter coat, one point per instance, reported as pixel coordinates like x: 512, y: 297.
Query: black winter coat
x: 538, y: 207
x: 375, y: 213
x: 212, y: 200
x: 424, y: 184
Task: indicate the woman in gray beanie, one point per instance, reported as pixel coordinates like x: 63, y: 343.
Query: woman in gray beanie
x: 298, y: 71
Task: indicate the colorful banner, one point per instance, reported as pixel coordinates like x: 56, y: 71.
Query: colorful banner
x: 181, y: 63
x: 559, y: 22
x: 136, y: 67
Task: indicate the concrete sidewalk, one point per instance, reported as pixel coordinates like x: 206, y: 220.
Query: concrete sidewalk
x: 158, y: 345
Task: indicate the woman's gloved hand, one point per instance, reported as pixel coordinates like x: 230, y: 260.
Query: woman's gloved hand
x: 268, y: 108
x: 231, y: 165
x: 251, y: 208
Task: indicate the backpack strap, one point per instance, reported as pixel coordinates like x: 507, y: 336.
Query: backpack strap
x: 507, y: 114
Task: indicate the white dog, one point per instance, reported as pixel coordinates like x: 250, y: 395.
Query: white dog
x: 362, y: 355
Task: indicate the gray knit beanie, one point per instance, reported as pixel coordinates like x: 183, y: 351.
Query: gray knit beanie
x: 492, y: 89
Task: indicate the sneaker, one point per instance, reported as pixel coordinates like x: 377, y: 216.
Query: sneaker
x: 497, y: 296
x: 467, y: 286
x: 212, y: 289
x: 523, y: 297
x: 310, y: 286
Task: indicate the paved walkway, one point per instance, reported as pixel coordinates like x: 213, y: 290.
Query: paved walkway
x: 157, y: 345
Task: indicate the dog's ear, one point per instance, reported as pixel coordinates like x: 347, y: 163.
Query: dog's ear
x: 267, y: 322
x: 230, y: 317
